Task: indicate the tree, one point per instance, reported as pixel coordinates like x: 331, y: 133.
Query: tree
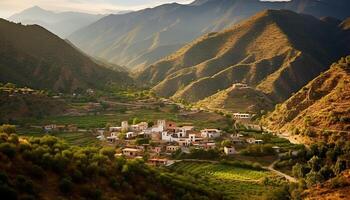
x: 299, y: 170
x: 312, y: 178
x: 6, y: 128
x: 326, y: 172
x: 135, y: 121
x: 225, y: 143
x: 314, y: 163
x: 339, y: 166
x: 65, y: 185
x: 108, y: 151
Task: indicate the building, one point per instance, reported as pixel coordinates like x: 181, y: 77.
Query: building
x: 125, y: 126
x: 254, y: 141
x: 156, y: 150
x: 170, y: 125
x: 131, y: 152
x: 172, y: 148
x: 130, y: 135
x: 242, y: 116
x: 158, y: 162
x: 229, y: 150
x: 113, y: 137
x: 115, y: 129
x: 210, y: 133
x: 210, y: 145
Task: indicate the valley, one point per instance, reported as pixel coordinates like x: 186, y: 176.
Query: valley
x: 141, y: 100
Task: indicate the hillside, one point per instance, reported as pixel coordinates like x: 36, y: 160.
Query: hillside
x: 276, y: 52
x: 334, y: 189
x: 32, y: 56
x: 321, y: 106
x: 140, y: 38
x: 59, y: 23
x: 237, y: 99
x: 17, y: 103
x: 72, y: 172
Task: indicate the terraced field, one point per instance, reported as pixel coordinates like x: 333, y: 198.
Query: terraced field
x: 79, y: 138
x: 234, y: 182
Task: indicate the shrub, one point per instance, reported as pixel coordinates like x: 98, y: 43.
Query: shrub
x: 24, y: 184
x: 6, y: 128
x: 8, y: 149
x: 8, y: 193
x: 36, y: 171
x: 65, y: 185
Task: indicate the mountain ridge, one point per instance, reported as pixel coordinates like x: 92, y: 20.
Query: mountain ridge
x: 269, y: 52
x: 128, y: 39
x: 60, y: 23
x: 319, y: 107
x: 53, y: 65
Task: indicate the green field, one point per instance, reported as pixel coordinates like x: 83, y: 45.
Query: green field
x: 80, y: 138
x: 203, y: 120
x: 234, y: 182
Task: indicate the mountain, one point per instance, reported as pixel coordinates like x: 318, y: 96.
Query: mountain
x: 32, y: 56
x: 237, y: 99
x: 138, y: 39
x: 321, y: 106
x: 61, y: 24
x: 276, y: 52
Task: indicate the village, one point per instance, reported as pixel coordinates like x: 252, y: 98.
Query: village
x: 159, y: 141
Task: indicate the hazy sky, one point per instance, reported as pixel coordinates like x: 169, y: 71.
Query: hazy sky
x: 9, y: 7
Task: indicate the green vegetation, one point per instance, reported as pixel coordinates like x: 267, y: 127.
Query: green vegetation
x: 85, y: 172
x: 319, y: 163
x: 18, y: 103
x: 142, y: 114
x: 237, y: 181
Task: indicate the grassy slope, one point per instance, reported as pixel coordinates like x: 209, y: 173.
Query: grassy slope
x: 32, y: 56
x: 322, y: 104
x: 267, y: 51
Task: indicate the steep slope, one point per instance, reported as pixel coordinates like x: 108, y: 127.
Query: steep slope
x: 275, y: 51
x: 140, y: 38
x: 334, y: 189
x: 237, y: 99
x: 61, y: 24
x: 323, y: 105
x: 32, y: 56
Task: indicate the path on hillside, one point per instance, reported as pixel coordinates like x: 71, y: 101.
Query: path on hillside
x: 271, y: 168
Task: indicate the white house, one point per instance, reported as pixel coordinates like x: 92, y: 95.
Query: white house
x: 131, y: 152
x: 210, y: 133
x: 254, y: 141
x: 229, y: 150
x: 130, y: 135
x: 242, y: 116
x: 113, y: 137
